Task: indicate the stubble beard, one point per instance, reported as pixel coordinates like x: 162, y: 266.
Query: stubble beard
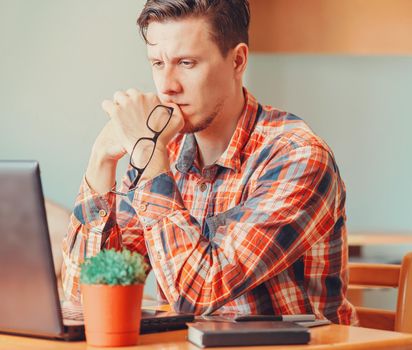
x: 190, y: 128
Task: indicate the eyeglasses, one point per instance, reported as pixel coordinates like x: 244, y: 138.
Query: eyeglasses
x: 144, y: 147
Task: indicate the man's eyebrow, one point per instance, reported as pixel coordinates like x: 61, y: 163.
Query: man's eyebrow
x: 175, y: 59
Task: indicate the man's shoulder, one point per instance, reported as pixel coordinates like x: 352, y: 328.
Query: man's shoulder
x: 278, y: 129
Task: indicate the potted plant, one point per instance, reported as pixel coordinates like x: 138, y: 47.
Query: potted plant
x: 112, y: 288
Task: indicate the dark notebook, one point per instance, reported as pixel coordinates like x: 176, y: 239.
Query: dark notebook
x: 204, y: 334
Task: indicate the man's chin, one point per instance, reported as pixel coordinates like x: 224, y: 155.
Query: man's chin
x: 191, y: 129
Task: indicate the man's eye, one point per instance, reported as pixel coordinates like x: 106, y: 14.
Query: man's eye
x: 187, y: 64
x: 157, y: 64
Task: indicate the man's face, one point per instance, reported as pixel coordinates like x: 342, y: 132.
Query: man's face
x: 189, y: 70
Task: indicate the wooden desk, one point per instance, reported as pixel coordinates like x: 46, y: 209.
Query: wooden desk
x: 325, y: 337
x: 358, y: 240
x: 362, y: 239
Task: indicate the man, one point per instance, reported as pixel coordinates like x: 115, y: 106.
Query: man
x: 237, y: 207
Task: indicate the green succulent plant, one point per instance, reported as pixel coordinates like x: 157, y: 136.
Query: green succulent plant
x: 113, y: 267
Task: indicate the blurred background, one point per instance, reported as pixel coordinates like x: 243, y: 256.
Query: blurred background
x: 60, y: 59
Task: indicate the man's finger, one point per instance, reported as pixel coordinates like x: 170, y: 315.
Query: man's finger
x: 133, y: 93
x: 109, y: 107
x: 121, y: 97
x: 176, y: 122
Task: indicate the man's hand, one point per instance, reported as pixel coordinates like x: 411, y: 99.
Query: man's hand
x: 129, y: 112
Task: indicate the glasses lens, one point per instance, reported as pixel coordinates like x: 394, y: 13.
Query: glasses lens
x: 142, y: 153
x: 159, y: 118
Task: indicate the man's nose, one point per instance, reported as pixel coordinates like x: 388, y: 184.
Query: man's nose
x: 169, y: 83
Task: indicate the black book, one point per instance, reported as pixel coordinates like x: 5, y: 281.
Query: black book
x: 205, y: 334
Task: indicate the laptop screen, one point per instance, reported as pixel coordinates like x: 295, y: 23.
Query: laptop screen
x: 29, y: 301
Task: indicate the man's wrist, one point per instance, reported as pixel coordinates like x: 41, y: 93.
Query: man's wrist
x: 159, y: 164
x: 101, y: 172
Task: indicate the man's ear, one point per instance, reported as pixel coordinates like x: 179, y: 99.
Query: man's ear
x: 240, y: 56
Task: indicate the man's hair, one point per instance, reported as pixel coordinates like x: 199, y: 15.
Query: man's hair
x: 228, y: 19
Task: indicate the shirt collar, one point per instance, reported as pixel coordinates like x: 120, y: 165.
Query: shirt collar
x: 231, y: 156
x: 187, y: 154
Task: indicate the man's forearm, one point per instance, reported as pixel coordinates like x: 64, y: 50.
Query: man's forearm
x: 101, y: 173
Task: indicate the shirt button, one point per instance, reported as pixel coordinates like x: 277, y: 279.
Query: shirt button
x: 142, y: 207
x: 203, y: 187
x: 102, y: 213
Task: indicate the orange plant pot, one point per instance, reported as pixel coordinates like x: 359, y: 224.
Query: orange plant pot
x: 112, y: 314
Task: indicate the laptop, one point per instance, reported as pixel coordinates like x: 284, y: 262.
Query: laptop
x: 29, y: 299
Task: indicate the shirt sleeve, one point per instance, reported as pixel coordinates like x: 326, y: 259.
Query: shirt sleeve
x: 95, y: 224
x: 291, y: 207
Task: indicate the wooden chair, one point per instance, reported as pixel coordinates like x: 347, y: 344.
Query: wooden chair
x: 366, y: 275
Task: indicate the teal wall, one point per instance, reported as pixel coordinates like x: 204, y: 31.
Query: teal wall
x: 60, y: 59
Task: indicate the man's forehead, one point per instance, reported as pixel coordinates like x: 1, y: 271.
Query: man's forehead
x: 178, y: 36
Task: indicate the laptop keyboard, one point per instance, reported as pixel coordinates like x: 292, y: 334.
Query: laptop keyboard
x: 71, y: 311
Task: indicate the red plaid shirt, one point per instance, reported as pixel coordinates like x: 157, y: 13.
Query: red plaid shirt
x: 261, y: 231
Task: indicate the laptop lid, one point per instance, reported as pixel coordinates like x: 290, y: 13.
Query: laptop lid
x: 29, y: 301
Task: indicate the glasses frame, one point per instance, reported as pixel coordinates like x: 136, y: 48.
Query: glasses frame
x: 153, y: 139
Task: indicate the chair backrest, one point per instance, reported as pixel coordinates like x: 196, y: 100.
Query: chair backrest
x: 364, y: 275
x: 58, y: 220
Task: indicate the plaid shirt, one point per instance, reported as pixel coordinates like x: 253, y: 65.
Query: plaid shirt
x: 261, y: 231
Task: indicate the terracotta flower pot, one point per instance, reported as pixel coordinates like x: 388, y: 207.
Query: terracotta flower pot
x: 112, y: 314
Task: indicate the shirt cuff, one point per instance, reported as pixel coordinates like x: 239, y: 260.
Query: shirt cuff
x: 93, y: 209
x: 157, y: 198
